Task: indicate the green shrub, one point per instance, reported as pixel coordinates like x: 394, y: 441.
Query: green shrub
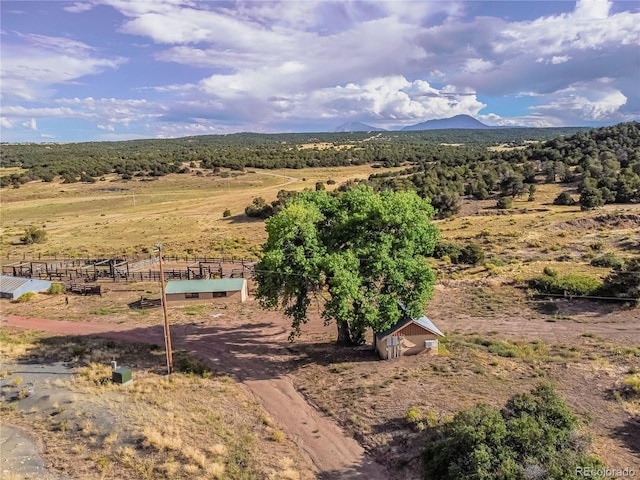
x: 564, y: 199
x: 226, y: 213
x: 504, y: 203
x: 624, y: 281
x: 413, y: 415
x: 608, y: 260
x: 472, y: 254
x: 534, y: 433
x: 26, y: 297
x: 56, y: 288
x: 190, y: 365
x: 450, y: 250
x: 33, y: 234
x: 571, y: 284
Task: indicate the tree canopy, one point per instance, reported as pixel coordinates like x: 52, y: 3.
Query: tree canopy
x: 534, y: 436
x: 355, y: 253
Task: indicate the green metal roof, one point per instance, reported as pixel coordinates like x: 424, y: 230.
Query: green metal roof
x: 197, y: 286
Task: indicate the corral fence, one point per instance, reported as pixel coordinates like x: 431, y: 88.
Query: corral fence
x: 77, y: 271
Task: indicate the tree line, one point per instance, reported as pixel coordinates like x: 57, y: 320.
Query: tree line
x: 87, y: 162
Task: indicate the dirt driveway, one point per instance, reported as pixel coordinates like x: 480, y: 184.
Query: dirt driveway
x: 257, y: 355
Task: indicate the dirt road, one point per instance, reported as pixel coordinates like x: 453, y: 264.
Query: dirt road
x: 258, y: 356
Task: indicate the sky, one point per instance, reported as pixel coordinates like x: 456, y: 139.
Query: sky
x: 117, y: 70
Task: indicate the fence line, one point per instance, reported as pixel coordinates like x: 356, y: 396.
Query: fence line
x: 586, y: 297
x: 118, y: 270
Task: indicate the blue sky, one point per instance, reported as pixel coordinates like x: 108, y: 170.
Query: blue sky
x: 117, y: 70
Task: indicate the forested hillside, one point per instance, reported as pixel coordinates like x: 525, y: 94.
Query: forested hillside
x: 603, y: 163
x: 87, y: 162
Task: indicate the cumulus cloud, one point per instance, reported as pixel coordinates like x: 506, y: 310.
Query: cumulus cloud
x: 5, y: 122
x: 591, y: 101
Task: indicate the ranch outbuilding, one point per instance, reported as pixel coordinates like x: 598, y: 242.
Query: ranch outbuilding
x: 410, y: 336
x: 187, y: 292
x: 14, y: 287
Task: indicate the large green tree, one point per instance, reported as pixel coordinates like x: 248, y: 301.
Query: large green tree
x: 354, y: 254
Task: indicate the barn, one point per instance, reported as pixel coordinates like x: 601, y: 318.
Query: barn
x: 409, y: 336
x: 14, y: 287
x: 187, y: 292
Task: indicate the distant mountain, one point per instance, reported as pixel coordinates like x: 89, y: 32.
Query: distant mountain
x: 357, y: 127
x: 459, y: 121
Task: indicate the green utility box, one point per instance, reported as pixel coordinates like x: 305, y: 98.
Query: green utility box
x: 121, y: 376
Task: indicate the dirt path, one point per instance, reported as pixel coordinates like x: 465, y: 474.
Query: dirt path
x: 257, y: 355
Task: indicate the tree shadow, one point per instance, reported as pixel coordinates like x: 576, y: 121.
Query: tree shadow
x: 366, y: 469
x: 401, y: 451
x: 243, y: 218
x: 629, y: 433
x: 567, y: 306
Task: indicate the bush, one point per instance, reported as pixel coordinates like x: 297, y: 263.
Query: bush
x: 472, y: 254
x: 26, y: 297
x: 504, y: 203
x: 33, y: 234
x: 591, y: 198
x: 413, y: 415
x: 226, y: 213
x: 608, y: 260
x: 571, y: 284
x: 56, y: 288
x: 564, y: 199
x: 191, y: 366
x: 534, y: 432
x: 451, y: 250
x: 624, y: 281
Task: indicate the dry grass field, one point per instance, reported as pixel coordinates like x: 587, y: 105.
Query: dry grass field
x: 184, y: 212
x: 187, y: 426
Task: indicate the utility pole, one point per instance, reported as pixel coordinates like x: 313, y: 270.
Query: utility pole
x: 167, y: 331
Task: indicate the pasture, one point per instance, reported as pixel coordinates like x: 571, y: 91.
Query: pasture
x: 184, y: 212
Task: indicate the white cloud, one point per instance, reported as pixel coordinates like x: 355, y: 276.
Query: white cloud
x: 31, y: 124
x: 592, y: 9
x: 5, y: 122
x: 30, y: 69
x: 109, y: 128
x: 79, y: 7
x: 592, y: 101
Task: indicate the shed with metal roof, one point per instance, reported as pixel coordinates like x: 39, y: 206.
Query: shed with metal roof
x: 14, y: 287
x: 409, y: 336
x: 185, y: 292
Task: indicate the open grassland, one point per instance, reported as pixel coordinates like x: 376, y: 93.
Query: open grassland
x: 187, y: 426
x: 184, y: 212
x: 519, y: 242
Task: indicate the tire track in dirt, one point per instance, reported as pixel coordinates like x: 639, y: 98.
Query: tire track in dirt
x: 255, y: 355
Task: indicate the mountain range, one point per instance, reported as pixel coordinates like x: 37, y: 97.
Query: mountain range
x: 457, y: 122
x: 357, y: 127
